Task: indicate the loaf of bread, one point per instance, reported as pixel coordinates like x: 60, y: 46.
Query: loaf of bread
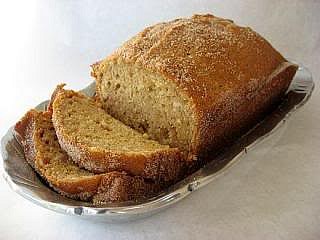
x: 195, y: 84
x: 100, y: 143
x: 42, y: 151
x: 187, y: 88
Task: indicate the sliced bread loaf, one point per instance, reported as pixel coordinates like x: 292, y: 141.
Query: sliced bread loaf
x: 100, y: 143
x: 42, y: 151
x: 193, y: 83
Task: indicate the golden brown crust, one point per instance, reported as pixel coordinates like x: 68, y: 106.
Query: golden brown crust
x: 100, y: 188
x: 24, y: 130
x: 214, y: 62
x: 117, y: 187
x: 53, y: 96
x: 245, y: 111
x: 161, y: 166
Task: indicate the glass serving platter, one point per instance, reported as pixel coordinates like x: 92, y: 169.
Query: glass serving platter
x: 24, y: 181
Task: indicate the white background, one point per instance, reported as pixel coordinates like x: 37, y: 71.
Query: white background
x: 272, y: 194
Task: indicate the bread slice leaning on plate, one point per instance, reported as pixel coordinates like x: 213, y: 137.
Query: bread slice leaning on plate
x: 42, y: 151
x: 100, y: 143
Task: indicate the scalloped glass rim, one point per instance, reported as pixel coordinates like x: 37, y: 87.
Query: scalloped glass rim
x: 23, y: 180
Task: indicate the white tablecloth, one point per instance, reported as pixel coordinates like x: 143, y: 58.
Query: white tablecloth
x: 274, y: 194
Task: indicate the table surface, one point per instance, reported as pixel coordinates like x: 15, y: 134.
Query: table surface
x: 272, y: 194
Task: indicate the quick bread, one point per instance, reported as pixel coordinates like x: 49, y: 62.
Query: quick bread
x: 166, y: 99
x: 98, y: 142
x: 42, y: 151
x: 193, y: 83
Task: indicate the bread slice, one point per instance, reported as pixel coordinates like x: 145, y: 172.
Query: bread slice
x: 193, y: 83
x: 42, y: 151
x: 100, y: 143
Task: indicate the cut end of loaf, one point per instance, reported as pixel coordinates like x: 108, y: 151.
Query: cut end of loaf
x: 146, y: 102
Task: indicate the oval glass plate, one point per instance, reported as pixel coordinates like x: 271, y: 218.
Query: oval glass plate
x: 23, y: 180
